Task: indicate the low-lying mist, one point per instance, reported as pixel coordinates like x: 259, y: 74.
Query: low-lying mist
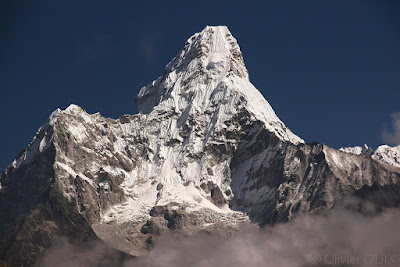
x: 342, y: 237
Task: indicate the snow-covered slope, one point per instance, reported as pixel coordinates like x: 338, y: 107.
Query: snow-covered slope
x: 205, y: 152
x: 384, y: 153
x: 358, y: 150
x: 388, y: 154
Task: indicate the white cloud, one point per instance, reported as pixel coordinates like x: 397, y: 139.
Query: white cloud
x: 392, y: 137
x: 340, y: 237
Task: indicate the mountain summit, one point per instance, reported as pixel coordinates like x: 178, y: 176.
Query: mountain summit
x: 209, y: 76
x: 206, y: 152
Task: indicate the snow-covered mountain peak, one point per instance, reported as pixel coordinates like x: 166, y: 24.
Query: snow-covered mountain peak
x: 388, y: 154
x: 215, y: 49
x: 209, y: 77
x: 357, y: 150
x: 73, y: 108
x: 208, y: 58
x: 383, y: 153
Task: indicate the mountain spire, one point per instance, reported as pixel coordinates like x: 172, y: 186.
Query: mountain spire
x: 217, y: 51
x: 209, y: 75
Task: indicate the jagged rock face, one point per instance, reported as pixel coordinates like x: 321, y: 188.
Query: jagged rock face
x: 205, y: 152
x: 272, y: 182
x: 26, y: 180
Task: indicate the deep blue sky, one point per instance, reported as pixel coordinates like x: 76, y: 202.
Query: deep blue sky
x: 330, y: 69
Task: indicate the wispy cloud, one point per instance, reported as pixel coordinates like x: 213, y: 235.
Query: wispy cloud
x: 392, y: 136
x: 342, y: 237
x: 148, y: 47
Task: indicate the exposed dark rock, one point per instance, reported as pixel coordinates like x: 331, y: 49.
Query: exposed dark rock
x: 150, y: 228
x: 174, y: 218
x: 217, y: 196
x: 157, y: 211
